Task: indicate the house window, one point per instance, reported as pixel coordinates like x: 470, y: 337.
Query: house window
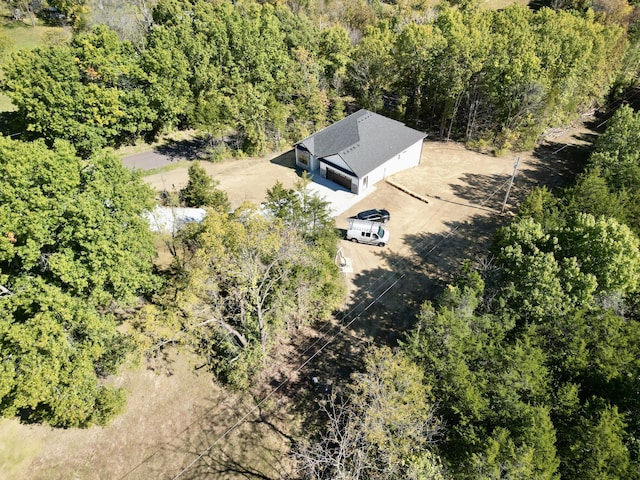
x: 303, y: 157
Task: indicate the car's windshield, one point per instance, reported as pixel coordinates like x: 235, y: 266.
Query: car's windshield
x: 380, y: 232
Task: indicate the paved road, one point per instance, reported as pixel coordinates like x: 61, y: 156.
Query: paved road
x: 166, y: 154
x: 148, y: 160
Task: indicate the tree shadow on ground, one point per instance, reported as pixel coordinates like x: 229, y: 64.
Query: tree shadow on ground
x: 554, y: 164
x: 559, y: 162
x: 10, y: 125
x: 386, y: 300
x: 231, y: 441
x: 483, y: 192
x: 384, y: 308
x: 388, y: 313
x: 191, y: 149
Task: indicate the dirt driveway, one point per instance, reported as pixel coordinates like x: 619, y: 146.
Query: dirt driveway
x: 442, y: 212
x: 450, y: 215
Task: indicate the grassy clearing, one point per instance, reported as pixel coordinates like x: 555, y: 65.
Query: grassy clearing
x: 24, y: 36
x: 167, y: 168
x: 174, y: 413
x: 5, y: 104
x: 17, y: 447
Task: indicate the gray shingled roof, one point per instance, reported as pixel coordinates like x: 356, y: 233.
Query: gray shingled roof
x: 364, y: 140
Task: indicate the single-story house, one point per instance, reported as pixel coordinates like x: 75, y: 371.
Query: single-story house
x: 360, y: 150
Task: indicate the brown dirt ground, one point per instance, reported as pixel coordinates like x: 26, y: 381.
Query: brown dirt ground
x: 174, y: 415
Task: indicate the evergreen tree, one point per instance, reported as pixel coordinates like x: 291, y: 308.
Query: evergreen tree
x: 201, y: 190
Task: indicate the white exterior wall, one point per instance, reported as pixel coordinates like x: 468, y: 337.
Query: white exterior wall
x: 406, y: 159
x: 337, y: 160
x: 370, y: 180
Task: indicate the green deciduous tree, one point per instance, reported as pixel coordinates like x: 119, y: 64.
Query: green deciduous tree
x: 88, y: 93
x: 617, y: 162
x: 53, y: 347
x: 371, y: 72
x: 78, y: 224
x: 246, y: 278
x: 252, y: 70
x: 513, y: 81
x: 73, y: 242
x: 579, y: 56
x: 547, y: 274
x: 606, y: 249
x: 417, y: 47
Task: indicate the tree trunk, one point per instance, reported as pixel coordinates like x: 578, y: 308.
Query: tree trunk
x: 241, y: 338
x: 456, y: 105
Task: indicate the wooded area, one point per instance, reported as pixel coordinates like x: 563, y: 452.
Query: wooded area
x: 527, y: 367
x: 257, y: 76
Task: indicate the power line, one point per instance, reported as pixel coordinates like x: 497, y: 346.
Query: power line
x: 381, y: 283
x: 328, y: 342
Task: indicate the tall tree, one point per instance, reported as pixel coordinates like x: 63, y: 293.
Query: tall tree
x: 55, y: 351
x: 77, y: 224
x: 371, y: 72
x: 201, y: 190
x: 88, y: 93
x: 386, y: 427
x: 245, y: 280
x: 73, y: 242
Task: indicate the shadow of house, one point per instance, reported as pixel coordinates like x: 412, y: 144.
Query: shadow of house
x: 286, y: 159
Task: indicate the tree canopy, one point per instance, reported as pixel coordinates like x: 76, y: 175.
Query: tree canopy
x: 256, y: 77
x: 244, y: 279
x: 534, y: 358
x: 73, y: 242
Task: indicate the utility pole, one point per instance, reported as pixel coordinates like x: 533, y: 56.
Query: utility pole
x: 513, y: 175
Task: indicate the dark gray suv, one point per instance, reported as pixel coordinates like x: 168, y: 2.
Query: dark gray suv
x: 374, y: 215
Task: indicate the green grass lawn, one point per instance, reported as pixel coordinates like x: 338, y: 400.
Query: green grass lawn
x: 24, y: 36
x: 5, y: 104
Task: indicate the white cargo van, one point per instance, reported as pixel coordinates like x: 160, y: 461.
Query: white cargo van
x: 364, y: 231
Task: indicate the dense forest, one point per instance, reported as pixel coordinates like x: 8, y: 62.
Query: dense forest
x: 255, y: 76
x: 527, y: 367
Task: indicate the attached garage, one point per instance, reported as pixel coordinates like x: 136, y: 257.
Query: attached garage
x: 360, y: 150
x: 339, y: 178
